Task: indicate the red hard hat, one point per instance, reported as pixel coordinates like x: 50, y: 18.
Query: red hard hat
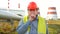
x: 32, y: 5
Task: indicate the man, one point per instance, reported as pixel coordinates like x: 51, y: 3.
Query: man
x: 32, y: 24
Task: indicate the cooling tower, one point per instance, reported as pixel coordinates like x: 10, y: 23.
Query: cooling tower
x: 51, y: 14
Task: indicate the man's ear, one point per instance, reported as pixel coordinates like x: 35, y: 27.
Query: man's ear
x: 38, y: 13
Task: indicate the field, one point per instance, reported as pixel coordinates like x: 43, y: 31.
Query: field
x: 54, y: 26
x: 8, y: 28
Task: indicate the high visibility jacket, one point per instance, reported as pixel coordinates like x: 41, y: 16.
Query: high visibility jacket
x: 41, y: 24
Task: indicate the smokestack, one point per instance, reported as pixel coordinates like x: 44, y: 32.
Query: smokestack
x: 8, y: 5
x: 52, y: 14
x: 19, y: 5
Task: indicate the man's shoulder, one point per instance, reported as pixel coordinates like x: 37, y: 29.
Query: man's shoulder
x: 25, y: 17
x: 40, y: 17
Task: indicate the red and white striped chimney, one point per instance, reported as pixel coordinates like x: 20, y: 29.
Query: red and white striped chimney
x: 19, y: 5
x: 52, y: 14
x: 8, y: 4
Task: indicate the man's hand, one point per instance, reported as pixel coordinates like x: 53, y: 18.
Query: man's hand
x: 32, y: 17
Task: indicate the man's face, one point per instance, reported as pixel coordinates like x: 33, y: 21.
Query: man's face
x: 33, y: 13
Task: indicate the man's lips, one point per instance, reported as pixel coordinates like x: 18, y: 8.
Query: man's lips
x: 32, y: 16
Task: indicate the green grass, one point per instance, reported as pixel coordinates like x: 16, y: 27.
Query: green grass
x: 54, y: 26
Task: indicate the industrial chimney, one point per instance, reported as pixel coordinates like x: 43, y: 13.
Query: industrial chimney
x: 51, y: 14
